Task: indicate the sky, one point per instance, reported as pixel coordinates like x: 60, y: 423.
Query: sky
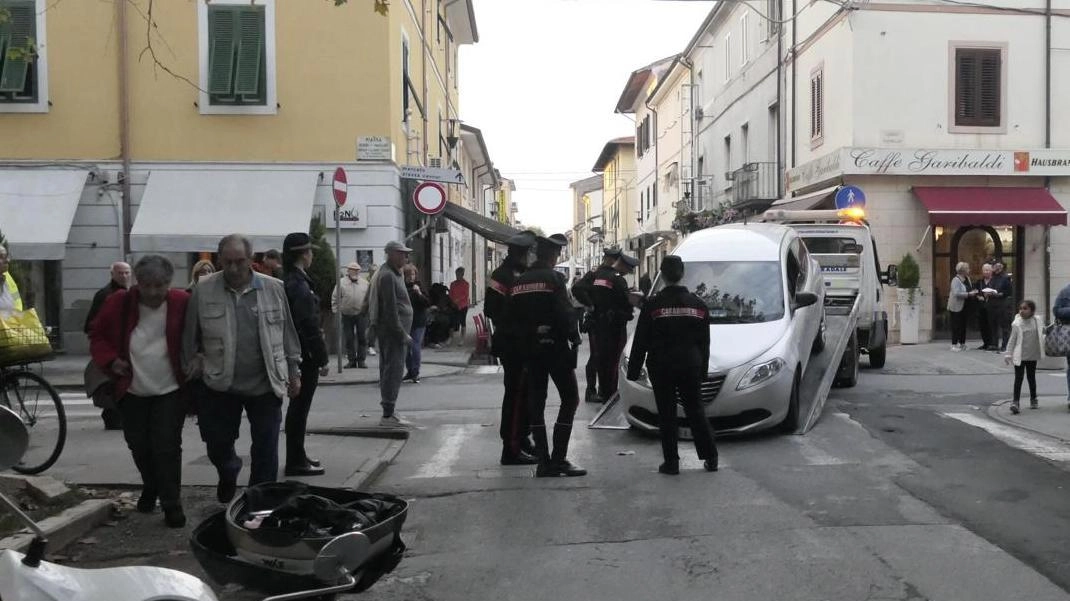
x: 543, y: 82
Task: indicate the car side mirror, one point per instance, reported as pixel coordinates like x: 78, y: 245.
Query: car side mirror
x: 805, y: 299
x: 890, y: 276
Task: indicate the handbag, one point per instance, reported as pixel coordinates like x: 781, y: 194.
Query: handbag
x: 1057, y: 340
x: 22, y: 337
x: 100, y: 385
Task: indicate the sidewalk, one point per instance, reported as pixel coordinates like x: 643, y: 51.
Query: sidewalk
x: 936, y: 358
x: 1051, y: 418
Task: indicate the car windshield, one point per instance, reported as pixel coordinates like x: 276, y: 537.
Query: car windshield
x: 736, y: 291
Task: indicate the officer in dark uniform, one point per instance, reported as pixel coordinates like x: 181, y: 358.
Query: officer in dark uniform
x: 612, y: 311
x: 539, y: 300
x: 673, y: 335
x: 581, y: 291
x: 506, y: 346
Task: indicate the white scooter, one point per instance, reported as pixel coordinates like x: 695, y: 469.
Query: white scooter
x: 29, y: 578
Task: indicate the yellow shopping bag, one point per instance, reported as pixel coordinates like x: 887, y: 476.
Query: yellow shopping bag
x: 22, y: 337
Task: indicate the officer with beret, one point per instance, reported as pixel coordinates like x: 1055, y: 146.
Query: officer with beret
x: 612, y: 311
x: 539, y: 300
x: 673, y: 336
x: 581, y: 291
x: 506, y: 346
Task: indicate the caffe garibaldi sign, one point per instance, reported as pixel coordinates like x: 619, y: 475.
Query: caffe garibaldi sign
x: 903, y: 161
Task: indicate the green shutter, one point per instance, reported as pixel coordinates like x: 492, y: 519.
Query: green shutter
x: 250, y: 52
x: 20, y: 32
x: 221, y: 38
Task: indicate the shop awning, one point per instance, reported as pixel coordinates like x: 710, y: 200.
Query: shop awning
x: 804, y: 202
x: 189, y: 211
x: 491, y: 229
x: 37, y: 208
x: 991, y: 206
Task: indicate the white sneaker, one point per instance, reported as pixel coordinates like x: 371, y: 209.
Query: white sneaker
x: 371, y: 352
x: 394, y: 421
x: 955, y: 348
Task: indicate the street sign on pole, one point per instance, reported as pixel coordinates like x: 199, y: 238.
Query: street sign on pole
x: 850, y: 196
x: 432, y: 174
x: 429, y: 198
x: 341, y: 192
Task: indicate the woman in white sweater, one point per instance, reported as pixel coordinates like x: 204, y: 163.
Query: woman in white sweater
x: 1025, y: 348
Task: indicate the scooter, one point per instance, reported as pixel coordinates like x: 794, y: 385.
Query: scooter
x: 27, y: 577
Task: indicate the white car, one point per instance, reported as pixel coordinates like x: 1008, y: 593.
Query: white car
x: 766, y: 298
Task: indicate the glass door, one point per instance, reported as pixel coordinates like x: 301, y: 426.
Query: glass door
x: 975, y: 245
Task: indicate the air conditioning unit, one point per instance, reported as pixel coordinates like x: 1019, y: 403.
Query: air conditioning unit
x: 434, y: 162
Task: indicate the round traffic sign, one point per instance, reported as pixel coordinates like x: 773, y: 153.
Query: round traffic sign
x: 341, y: 187
x: 430, y: 198
x: 850, y: 196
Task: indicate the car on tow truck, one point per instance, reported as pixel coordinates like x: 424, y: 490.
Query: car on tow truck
x: 766, y: 299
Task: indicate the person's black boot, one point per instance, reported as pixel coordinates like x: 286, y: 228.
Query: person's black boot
x: 671, y: 468
x: 569, y: 470
x: 147, y: 502
x: 710, y: 465
x: 174, y: 517
x: 225, y: 491
x: 520, y: 458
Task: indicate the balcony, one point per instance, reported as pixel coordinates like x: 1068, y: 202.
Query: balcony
x: 755, y: 186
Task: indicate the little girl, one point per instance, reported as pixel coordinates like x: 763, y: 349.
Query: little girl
x: 1024, y: 349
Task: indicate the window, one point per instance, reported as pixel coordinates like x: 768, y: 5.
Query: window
x: 817, y: 106
x: 648, y: 132
x: 774, y: 124
x: 728, y: 57
x: 23, y: 77
x: 744, y: 39
x: 772, y: 13
x: 978, y: 87
x: 744, y: 143
x: 237, y: 57
x: 406, y: 82
x: 728, y: 155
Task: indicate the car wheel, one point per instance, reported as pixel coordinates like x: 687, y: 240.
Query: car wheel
x: 819, y: 340
x: 877, y: 357
x: 791, y: 420
x: 848, y: 371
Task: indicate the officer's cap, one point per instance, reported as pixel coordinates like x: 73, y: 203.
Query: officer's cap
x: 525, y: 239
x: 672, y: 267
x: 554, y: 242
x: 631, y: 262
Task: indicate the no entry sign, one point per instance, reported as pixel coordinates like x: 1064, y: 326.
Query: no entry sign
x: 341, y: 187
x: 429, y: 198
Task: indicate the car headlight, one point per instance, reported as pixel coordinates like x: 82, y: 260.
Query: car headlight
x: 760, y: 373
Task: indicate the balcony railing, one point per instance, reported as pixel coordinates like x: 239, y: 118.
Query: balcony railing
x: 755, y: 182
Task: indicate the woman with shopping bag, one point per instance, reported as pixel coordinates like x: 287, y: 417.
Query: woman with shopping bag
x: 10, y: 300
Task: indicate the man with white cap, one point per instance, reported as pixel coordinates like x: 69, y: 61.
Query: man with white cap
x: 348, y: 298
x: 390, y: 313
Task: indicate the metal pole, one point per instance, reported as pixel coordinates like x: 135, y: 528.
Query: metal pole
x: 338, y: 279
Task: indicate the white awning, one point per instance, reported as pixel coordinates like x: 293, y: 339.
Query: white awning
x: 189, y: 211
x: 36, y: 210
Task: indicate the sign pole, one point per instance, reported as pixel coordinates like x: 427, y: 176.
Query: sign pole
x: 340, y: 191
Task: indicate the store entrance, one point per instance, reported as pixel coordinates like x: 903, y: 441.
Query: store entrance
x: 976, y: 245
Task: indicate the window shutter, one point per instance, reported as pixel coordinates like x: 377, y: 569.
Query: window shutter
x: 978, y: 87
x: 222, y: 29
x: 989, y: 98
x: 250, y: 52
x: 19, y: 33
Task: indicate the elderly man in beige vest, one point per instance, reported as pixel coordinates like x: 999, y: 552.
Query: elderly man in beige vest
x: 348, y: 298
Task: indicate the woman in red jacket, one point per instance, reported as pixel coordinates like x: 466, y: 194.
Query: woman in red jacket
x: 137, y: 338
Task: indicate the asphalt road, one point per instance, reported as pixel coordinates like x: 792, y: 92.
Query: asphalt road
x: 893, y: 495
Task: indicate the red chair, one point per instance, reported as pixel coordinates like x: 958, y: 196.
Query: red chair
x: 482, y: 335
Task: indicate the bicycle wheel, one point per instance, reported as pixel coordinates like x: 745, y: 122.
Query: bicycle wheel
x: 39, y: 405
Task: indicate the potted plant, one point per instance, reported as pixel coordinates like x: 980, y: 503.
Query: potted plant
x: 907, y: 299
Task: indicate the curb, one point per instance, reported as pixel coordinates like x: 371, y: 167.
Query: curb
x: 363, y: 479
x: 65, y: 528
x: 994, y: 414
x: 361, y: 432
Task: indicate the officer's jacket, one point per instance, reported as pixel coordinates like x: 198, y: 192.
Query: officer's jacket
x: 581, y: 290
x: 539, y: 300
x: 673, y: 331
x: 496, y: 303
x: 609, y: 292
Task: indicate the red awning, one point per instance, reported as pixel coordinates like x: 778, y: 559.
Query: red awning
x: 991, y: 206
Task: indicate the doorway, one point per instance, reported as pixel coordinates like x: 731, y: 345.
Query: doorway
x: 976, y: 245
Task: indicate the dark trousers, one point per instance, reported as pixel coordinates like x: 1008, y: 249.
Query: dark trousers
x: 611, y: 341
x: 1001, y: 322
x: 958, y: 327
x: 113, y: 418
x: 539, y: 372
x: 355, y: 335
x: 219, y: 418
x: 1029, y: 370
x: 297, y: 417
x: 152, y: 427
x: 685, y: 384
x: 984, y: 323
x: 591, y: 369
x: 516, y: 423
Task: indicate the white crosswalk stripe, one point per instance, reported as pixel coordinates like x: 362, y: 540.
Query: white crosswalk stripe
x: 441, y: 463
x: 1036, y: 444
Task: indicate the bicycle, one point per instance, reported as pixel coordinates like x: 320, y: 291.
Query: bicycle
x: 40, y: 407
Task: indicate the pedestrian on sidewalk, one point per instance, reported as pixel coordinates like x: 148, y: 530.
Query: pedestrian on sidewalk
x: 137, y: 338
x: 350, y: 299
x: 961, y: 292
x: 986, y: 309
x: 390, y: 314
x: 305, y: 309
x: 460, y: 296
x: 240, y: 338
x: 420, y: 303
x: 506, y: 344
x: 366, y: 310
x: 1061, y: 309
x: 200, y: 269
x: 104, y: 396
x: 270, y: 264
x: 673, y: 336
x: 539, y: 300
x: 10, y: 299
x: 581, y: 291
x: 1025, y: 348
x: 1002, y: 304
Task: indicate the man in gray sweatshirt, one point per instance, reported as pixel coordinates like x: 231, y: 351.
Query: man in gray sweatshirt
x: 391, y: 318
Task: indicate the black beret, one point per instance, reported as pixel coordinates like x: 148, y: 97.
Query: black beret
x: 296, y: 241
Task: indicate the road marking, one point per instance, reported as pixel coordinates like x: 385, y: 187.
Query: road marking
x: 1034, y: 444
x: 485, y: 369
x: 813, y: 454
x: 442, y: 461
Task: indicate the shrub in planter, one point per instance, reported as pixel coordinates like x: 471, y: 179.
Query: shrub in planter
x: 909, y: 274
